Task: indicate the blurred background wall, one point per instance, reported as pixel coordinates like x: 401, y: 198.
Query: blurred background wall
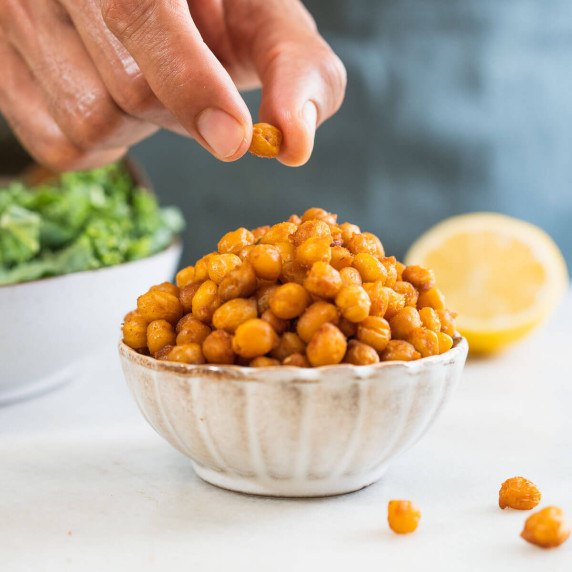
x: 452, y: 106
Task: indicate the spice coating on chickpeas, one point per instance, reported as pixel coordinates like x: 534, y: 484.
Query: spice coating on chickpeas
x: 306, y: 292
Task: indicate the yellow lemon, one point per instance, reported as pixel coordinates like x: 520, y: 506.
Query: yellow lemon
x: 502, y: 275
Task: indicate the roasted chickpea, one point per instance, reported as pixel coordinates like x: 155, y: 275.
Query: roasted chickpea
x: 370, y: 268
x: 266, y: 261
x: 263, y: 295
x: 192, y: 332
x: 404, y: 322
x: 165, y: 287
x: 348, y: 230
x: 447, y: 319
x: 360, y: 354
x: 264, y: 361
x: 395, y: 303
x: 233, y: 242
x: 279, y: 325
x: 341, y: 257
x: 424, y: 341
x: 259, y: 232
x: 445, y: 342
x: 135, y: 330
x: 238, y: 283
x: 296, y: 360
x: 408, y: 291
x: 403, y: 516
x: 245, y: 252
x: 311, y: 229
x: 163, y: 353
x: 319, y: 214
x: 354, y: 303
x: 547, y: 528
x: 185, y: 276
x: 422, y: 278
x: 233, y: 313
x: 379, y: 297
x: 289, y: 343
x: 349, y: 329
x: 323, y: 280
x: 186, y: 295
x: 315, y: 315
x: 314, y: 250
x: 433, y: 298
x: 280, y: 232
x: 399, y: 350
x: 160, y: 333
x: 336, y: 232
x: 399, y: 267
x: 364, y: 242
x: 295, y: 219
x: 158, y: 305
x: 289, y: 301
x: 293, y: 272
x: 430, y: 319
x: 206, y: 301
x: 217, y: 348
x: 266, y: 140
x: 375, y: 332
x: 327, y: 346
x: 379, y: 250
x: 187, y: 353
x: 287, y: 251
x: 350, y: 276
x: 220, y: 265
x: 254, y: 338
x: 202, y: 269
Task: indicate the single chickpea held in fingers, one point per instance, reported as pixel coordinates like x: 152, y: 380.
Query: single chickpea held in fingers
x: 266, y: 140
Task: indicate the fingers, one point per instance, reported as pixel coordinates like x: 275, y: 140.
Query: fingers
x: 74, y: 93
x: 23, y: 106
x: 182, y: 72
x: 303, y: 81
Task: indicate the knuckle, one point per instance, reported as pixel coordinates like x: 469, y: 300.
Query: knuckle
x: 134, y: 95
x: 125, y: 17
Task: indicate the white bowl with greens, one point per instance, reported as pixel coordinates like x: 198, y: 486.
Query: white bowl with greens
x: 73, y: 255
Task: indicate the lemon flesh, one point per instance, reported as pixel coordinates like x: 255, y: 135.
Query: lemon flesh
x: 502, y: 275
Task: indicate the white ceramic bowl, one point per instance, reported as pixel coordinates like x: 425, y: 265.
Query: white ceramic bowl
x: 48, y: 326
x: 294, y: 432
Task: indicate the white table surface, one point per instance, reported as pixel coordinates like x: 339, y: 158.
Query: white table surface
x: 85, y: 483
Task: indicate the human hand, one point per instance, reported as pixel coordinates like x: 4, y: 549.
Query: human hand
x: 83, y: 80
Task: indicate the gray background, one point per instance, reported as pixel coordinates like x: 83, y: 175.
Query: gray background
x: 452, y: 106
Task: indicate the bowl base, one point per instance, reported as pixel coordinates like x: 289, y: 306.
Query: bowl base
x: 289, y: 488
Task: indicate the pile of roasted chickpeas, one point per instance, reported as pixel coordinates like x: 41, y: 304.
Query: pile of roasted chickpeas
x: 307, y: 292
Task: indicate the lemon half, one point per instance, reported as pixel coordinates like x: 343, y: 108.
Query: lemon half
x: 502, y: 275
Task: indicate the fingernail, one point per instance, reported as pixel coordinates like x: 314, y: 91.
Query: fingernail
x: 223, y: 133
x: 310, y: 114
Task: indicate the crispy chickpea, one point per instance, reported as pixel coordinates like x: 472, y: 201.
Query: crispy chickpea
x: 395, y: 303
x: 263, y: 295
x: 314, y: 250
x: 327, y: 346
x: 360, y: 354
x: 424, y: 341
x: 295, y: 219
x: 379, y: 297
x: 186, y: 295
x: 399, y: 350
x: 254, y: 338
x: 186, y: 322
x: 315, y: 315
x: 158, y: 305
x: 289, y: 301
x: 245, y: 252
x: 433, y: 298
x: 422, y: 278
x: 163, y: 353
x: 279, y: 325
x: 220, y: 265
x: 135, y: 330
x: 364, y: 242
x: 266, y: 261
x: 354, y: 303
x: 194, y: 332
x: 375, y: 332
x: 206, y: 301
x: 430, y: 319
x: 390, y: 266
x: 187, y: 353
x: 202, y: 269
x: 160, y: 333
x: 350, y: 276
x: 217, y: 348
x: 323, y: 280
x: 233, y: 242
x: 447, y: 319
x: 319, y: 214
x: 349, y: 329
x: 280, y: 232
x: 266, y: 140
x: 287, y: 251
x: 341, y: 257
x: 547, y: 528
x: 296, y: 360
x: 165, y: 287
x: 311, y: 229
x: 403, y: 516
x: 404, y: 322
x: 259, y: 232
x: 399, y: 268
x: 445, y: 342
x: 233, y: 313
x: 408, y: 291
x: 293, y: 272
x: 288, y: 344
x: 519, y: 493
x: 264, y: 361
x: 238, y: 283
x: 185, y: 276
x: 370, y: 268
x: 336, y: 232
x: 379, y: 250
x: 348, y: 230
